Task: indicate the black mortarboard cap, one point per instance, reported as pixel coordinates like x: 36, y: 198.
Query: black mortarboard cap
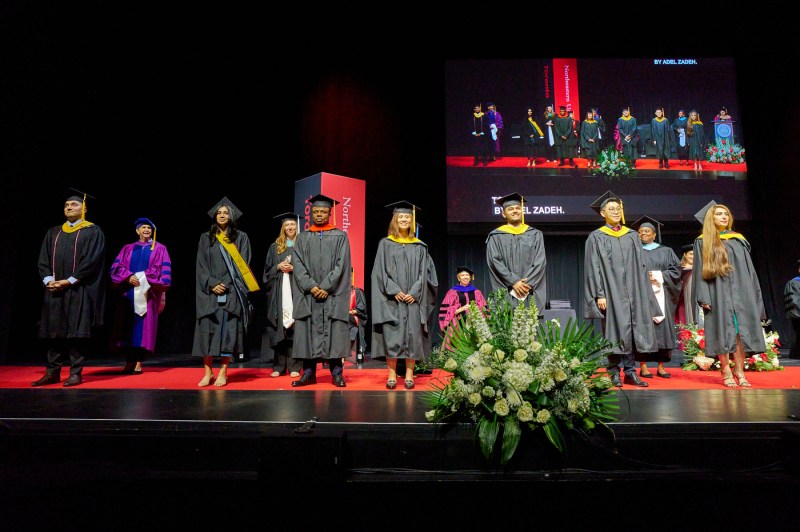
x: 76, y: 195
x: 403, y: 206
x: 598, y: 204
x: 234, y: 210
x: 560, y: 107
x: 287, y: 216
x: 489, y: 104
x: 73, y: 194
x: 626, y: 108
x: 515, y: 198
x: 464, y: 269
x: 321, y: 200
x: 700, y: 215
x: 687, y: 247
x: 652, y: 223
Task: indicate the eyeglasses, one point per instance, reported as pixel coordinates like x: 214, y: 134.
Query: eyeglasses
x: 613, y: 209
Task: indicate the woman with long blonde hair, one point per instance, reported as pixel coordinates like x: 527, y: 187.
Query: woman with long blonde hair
x: 726, y: 287
x: 278, y: 338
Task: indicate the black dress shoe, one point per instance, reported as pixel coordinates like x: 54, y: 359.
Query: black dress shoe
x: 646, y: 375
x: 615, y: 380
x: 633, y: 378
x: 338, y: 381
x: 305, y: 380
x: 47, y: 378
x: 664, y: 374
x: 73, y: 380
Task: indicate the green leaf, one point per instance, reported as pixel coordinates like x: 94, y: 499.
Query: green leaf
x: 488, y: 429
x: 554, y: 435
x: 511, y: 438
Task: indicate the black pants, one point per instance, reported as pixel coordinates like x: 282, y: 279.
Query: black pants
x: 336, y: 365
x: 57, y: 349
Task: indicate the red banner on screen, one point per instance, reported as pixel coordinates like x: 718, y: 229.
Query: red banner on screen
x: 565, y: 85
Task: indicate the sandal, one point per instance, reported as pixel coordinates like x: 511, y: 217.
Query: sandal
x: 742, y: 381
x: 390, y: 384
x: 409, y: 384
x: 727, y: 378
x: 275, y: 374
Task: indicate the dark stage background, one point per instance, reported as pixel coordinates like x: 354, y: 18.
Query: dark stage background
x: 160, y: 112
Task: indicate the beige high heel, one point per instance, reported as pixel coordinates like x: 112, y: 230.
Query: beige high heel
x: 742, y: 380
x: 727, y: 378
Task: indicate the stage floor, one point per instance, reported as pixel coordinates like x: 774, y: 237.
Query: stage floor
x: 120, y: 445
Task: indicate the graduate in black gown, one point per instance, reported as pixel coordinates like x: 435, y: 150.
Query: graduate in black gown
x: 726, y: 286
x: 404, y: 286
x: 321, y: 295
x: 223, y: 280
x: 72, y: 269
x: 278, y: 337
x: 617, y: 290
x: 662, y: 137
x: 628, y: 134
x: 516, y: 257
x: 665, y: 280
x: 681, y: 141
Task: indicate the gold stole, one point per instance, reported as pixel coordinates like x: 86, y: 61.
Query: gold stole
x: 622, y: 231
x: 77, y: 227
x: 518, y: 230
x: 404, y: 239
x: 244, y: 269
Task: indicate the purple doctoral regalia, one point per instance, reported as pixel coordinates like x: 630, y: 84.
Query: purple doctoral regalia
x: 130, y: 329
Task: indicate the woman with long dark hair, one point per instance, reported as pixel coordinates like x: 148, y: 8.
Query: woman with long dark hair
x: 223, y: 280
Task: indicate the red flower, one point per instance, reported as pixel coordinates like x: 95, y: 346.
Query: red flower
x: 701, y: 332
x: 777, y: 343
x: 752, y: 360
x: 685, y: 335
x: 702, y: 343
x: 764, y: 357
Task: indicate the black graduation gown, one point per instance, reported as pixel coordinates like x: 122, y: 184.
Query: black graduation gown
x: 400, y: 330
x: 513, y: 257
x: 321, y: 258
x: 663, y: 259
x: 275, y: 332
x: 71, y: 313
x: 736, y: 293
x: 219, y: 327
x: 614, y: 269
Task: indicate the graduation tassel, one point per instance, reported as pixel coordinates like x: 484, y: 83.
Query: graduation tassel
x: 83, y: 207
x: 414, y: 221
x: 153, y: 240
x: 522, y: 204
x: 622, y: 212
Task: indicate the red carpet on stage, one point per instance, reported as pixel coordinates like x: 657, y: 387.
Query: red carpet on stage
x: 356, y: 379
x: 160, y: 378
x: 641, y: 164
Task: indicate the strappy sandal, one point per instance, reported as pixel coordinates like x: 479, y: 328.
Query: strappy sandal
x: 409, y: 384
x: 742, y: 380
x: 390, y: 384
x: 727, y: 378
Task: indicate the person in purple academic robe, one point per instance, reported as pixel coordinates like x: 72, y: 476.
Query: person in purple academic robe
x: 141, y: 274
